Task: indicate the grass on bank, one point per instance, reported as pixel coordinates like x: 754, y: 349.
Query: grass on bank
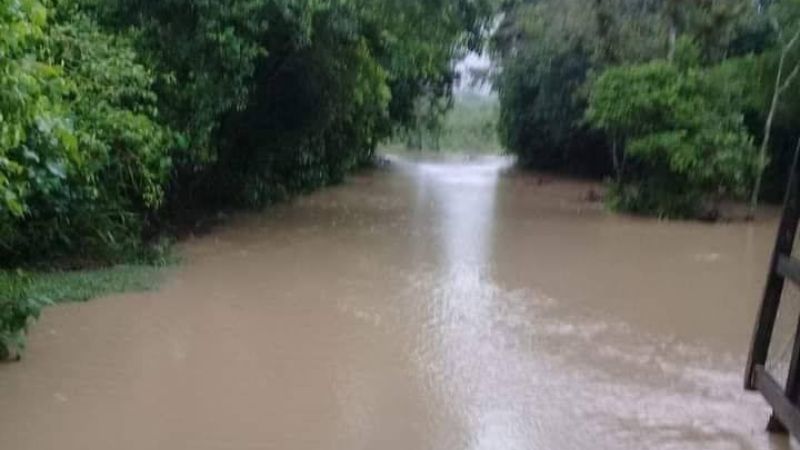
x: 470, y: 127
x: 23, y: 295
x: 80, y: 286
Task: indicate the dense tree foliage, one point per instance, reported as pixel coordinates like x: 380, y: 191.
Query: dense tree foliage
x: 82, y: 156
x: 683, y: 136
x: 290, y: 95
x: 665, y: 97
x: 117, y: 116
x: 115, y: 113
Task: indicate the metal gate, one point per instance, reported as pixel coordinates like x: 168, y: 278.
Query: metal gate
x: 784, y: 267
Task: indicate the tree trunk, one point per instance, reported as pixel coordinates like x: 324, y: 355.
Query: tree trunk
x: 781, y: 85
x: 615, y: 160
x: 673, y: 39
x: 762, y: 153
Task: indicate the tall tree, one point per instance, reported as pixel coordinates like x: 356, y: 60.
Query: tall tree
x: 786, y: 21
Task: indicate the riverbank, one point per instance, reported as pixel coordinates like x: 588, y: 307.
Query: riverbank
x: 554, y: 193
x: 83, y: 285
x: 430, y: 305
x: 592, y: 193
x: 24, y: 294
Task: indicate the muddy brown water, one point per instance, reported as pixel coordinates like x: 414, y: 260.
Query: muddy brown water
x: 430, y: 305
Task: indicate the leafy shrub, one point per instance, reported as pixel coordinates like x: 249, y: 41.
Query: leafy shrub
x: 113, y: 113
x: 290, y: 95
x: 87, y: 161
x: 17, y: 312
x: 36, y: 141
x: 24, y: 294
x: 685, y: 140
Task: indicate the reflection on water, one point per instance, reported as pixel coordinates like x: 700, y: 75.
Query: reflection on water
x: 433, y: 305
x: 461, y: 292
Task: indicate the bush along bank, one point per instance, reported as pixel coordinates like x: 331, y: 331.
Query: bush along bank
x: 118, y: 117
x: 678, y: 104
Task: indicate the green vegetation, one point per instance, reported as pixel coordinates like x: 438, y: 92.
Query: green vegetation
x: 682, y: 132
x: 17, y: 311
x: 83, y: 285
x: 82, y: 159
x: 664, y: 98
x: 470, y: 126
x: 119, y: 118
x: 25, y: 294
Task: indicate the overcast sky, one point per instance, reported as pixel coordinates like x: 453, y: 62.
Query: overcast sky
x: 464, y: 67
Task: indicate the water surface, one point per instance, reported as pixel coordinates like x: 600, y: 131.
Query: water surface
x: 430, y: 305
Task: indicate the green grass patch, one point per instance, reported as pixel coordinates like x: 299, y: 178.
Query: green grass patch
x: 83, y: 285
x: 23, y: 295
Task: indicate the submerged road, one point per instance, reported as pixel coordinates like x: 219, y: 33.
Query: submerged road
x: 428, y: 305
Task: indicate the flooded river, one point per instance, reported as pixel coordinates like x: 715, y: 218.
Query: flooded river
x: 428, y: 305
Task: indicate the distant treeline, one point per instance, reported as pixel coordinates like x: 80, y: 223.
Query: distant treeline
x: 118, y: 116
x: 672, y: 100
x: 468, y: 125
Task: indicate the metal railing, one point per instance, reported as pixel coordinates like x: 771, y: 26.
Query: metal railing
x: 785, y: 402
